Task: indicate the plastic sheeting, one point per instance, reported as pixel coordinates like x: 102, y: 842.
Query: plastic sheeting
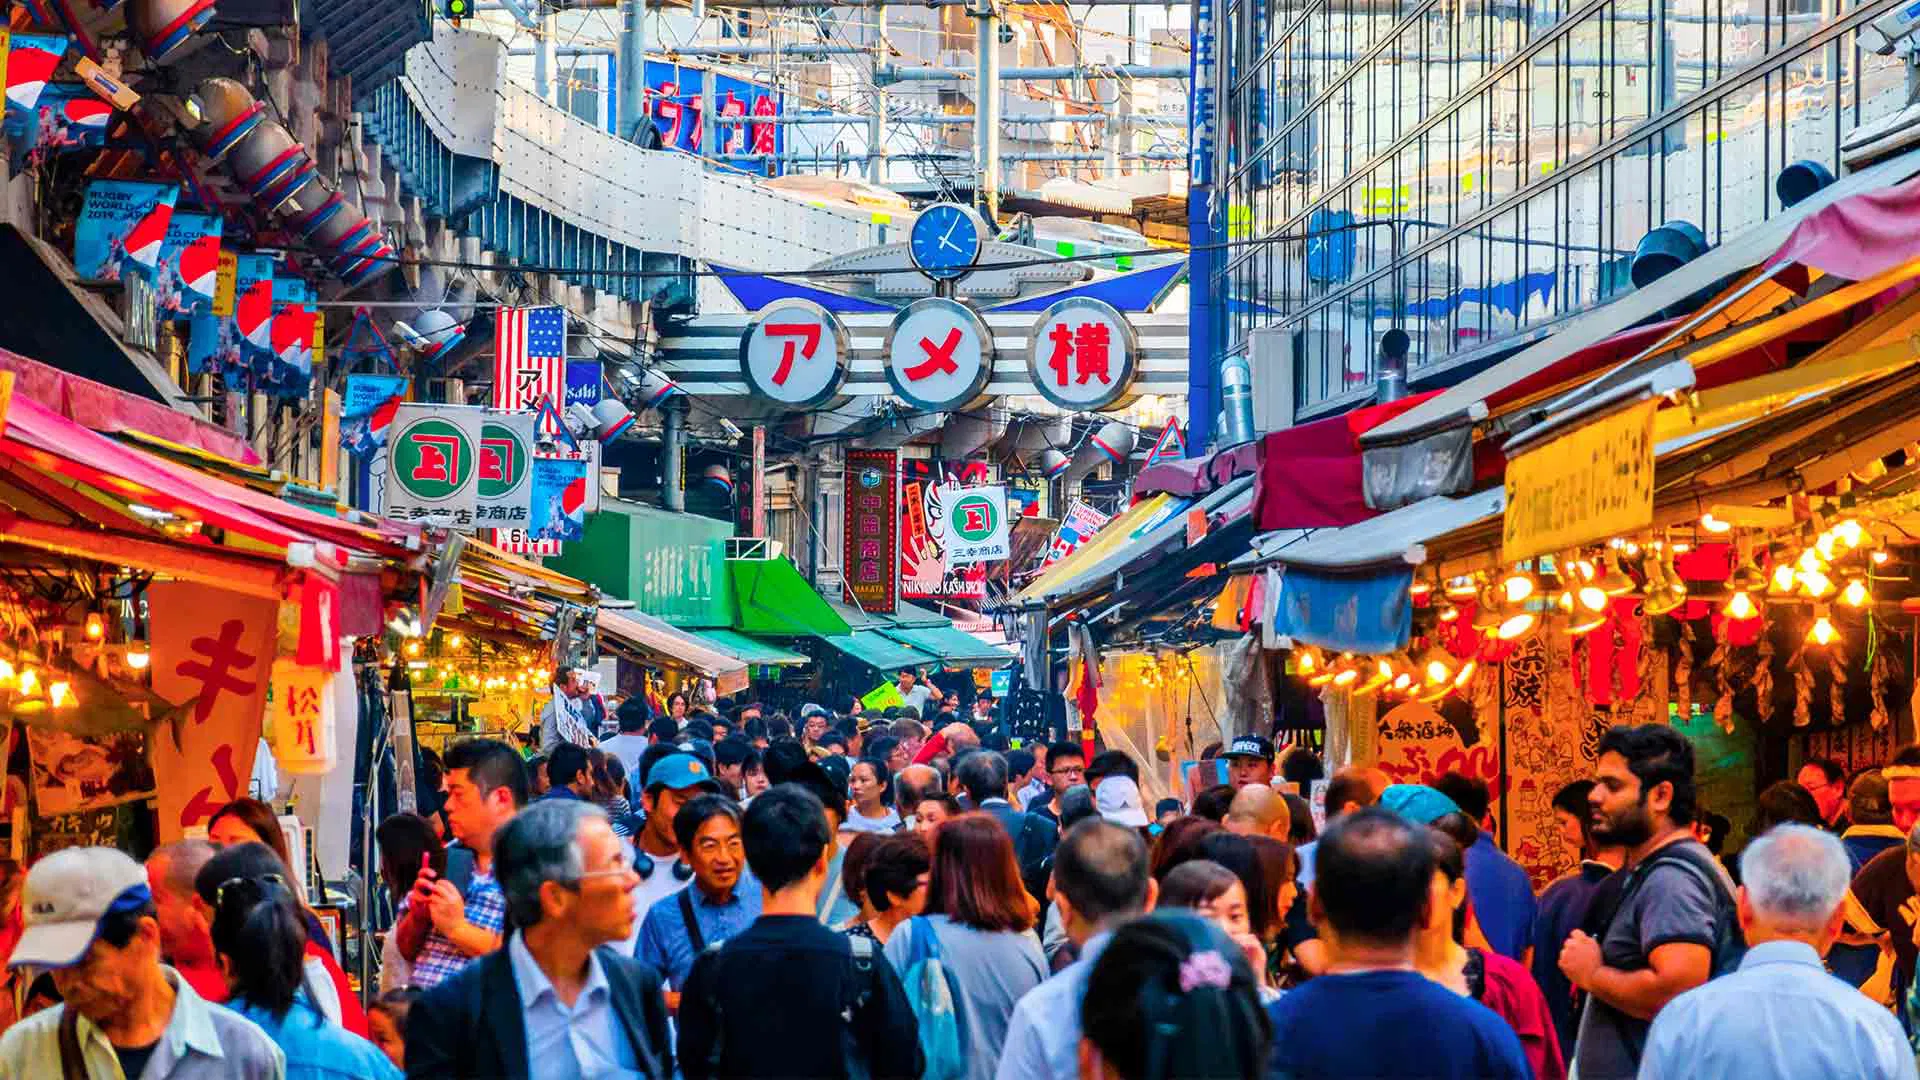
x: 1149, y: 696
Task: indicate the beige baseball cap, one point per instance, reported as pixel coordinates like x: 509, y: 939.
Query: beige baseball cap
x: 66, y: 895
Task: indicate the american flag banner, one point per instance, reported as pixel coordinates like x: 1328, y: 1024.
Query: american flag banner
x: 517, y: 542
x: 530, y: 359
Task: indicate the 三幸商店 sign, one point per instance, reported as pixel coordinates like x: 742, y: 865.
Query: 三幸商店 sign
x: 938, y: 355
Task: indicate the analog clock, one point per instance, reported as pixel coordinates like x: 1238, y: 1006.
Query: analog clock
x: 946, y: 240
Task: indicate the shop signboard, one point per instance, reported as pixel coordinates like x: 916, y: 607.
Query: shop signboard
x: 504, y: 498
x: 1076, y: 528
x: 433, y: 465
x: 583, y: 383
x: 1590, y: 484
x: 795, y: 353
x: 927, y: 569
x: 518, y: 542
x: 123, y: 224
x: 1082, y: 354
x: 978, y: 529
x: 677, y: 101
x: 212, y: 652
x: 871, y: 559
x: 939, y: 354
x: 303, y: 719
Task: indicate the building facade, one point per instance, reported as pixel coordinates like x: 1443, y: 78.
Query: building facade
x: 1474, y: 173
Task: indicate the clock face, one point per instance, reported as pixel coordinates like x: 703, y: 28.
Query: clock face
x: 946, y: 240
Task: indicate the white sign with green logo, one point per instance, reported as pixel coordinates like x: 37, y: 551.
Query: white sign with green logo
x: 505, y: 491
x: 978, y: 529
x: 433, y: 465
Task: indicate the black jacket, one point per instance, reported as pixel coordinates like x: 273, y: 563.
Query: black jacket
x: 473, y: 1025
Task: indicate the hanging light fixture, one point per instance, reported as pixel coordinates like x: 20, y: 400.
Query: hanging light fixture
x: 1437, y: 667
x: 1855, y: 594
x: 1614, y: 581
x: 1810, y: 561
x: 1465, y: 675
x: 1822, y: 631
x: 1486, y: 616
x: 1815, y: 583
x: 96, y: 626
x: 1462, y: 586
x: 1380, y: 673
x: 1850, y: 532
x: 1714, y: 525
x: 1519, y: 585
x: 1445, y: 610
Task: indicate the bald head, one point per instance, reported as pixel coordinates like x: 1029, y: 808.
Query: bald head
x: 174, y: 866
x: 1258, y: 810
x: 912, y: 784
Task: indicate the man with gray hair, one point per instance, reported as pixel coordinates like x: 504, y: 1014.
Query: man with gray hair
x: 186, y: 939
x: 983, y: 774
x: 1781, y: 1014
x: 555, y: 995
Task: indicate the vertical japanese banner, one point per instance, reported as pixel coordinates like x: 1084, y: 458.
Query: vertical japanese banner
x: 217, y: 651
x: 870, y: 560
x: 506, y: 469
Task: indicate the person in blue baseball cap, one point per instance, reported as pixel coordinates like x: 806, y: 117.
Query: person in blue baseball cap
x: 1417, y: 803
x: 672, y: 781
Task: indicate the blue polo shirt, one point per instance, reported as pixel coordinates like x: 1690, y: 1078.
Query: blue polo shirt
x: 664, y: 941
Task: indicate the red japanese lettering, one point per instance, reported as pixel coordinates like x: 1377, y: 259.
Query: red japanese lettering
x: 939, y: 357
x: 805, y: 337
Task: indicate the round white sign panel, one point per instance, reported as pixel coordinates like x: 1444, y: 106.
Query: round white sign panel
x: 796, y: 353
x: 939, y: 354
x: 1082, y: 354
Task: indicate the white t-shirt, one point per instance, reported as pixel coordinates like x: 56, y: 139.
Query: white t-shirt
x: 652, y: 888
x: 885, y: 823
x: 918, y: 698
x: 628, y: 746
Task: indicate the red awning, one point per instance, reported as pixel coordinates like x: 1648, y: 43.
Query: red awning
x: 103, y: 408
x: 1310, y: 475
x: 40, y: 437
x: 1860, y: 236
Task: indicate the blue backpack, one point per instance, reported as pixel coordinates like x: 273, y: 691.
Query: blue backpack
x: 935, y: 996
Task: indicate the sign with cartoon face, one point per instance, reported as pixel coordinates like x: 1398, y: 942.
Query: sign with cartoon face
x: 978, y: 529
x: 796, y: 353
x: 433, y: 465
x: 1082, y: 354
x: 939, y: 355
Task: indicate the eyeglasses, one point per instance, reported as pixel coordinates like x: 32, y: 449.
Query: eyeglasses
x: 621, y: 867
x: 1070, y: 770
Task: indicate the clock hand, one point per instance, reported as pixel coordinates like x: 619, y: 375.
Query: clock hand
x: 948, y: 236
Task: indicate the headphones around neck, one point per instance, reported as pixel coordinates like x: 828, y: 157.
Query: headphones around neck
x: 644, y: 865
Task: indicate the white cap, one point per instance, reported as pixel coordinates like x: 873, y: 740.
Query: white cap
x: 65, y: 897
x: 1118, y: 800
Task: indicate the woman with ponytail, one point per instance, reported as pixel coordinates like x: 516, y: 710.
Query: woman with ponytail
x: 1172, y: 998
x: 259, y: 938
x: 331, y: 992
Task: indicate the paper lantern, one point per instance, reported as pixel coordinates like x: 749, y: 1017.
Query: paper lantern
x: 1053, y: 464
x: 272, y: 165
x: 718, y: 480
x: 440, y: 332
x: 1114, y: 440
x: 303, y: 719
x: 611, y: 419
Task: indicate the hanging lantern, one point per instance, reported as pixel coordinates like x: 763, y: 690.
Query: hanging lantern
x: 1822, y: 631
x: 1053, y: 464
x: 303, y: 719
x: 229, y: 113
x: 161, y: 26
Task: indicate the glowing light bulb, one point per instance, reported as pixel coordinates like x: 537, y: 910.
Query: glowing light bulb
x: 29, y: 681
x: 1879, y: 558
x: 60, y: 695
x: 1438, y: 672
x: 1465, y: 674
x: 1516, y: 626
x: 1822, y: 631
x: 138, y: 659
x: 1850, y: 533
x: 1855, y: 594
x: 96, y: 626
x: 1592, y: 598
x: 413, y: 648
x: 1714, y: 525
x: 1816, y: 584
x: 1782, y: 578
x: 1810, y: 560
x: 1741, y: 606
x: 456, y: 641
x: 1346, y: 677
x: 1825, y: 544
x: 6, y: 671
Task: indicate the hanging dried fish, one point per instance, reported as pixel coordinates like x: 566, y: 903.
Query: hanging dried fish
x: 1837, y: 686
x: 1881, y: 675
x: 1652, y: 697
x: 1683, y: 675
x: 1763, y: 680
x: 1722, y: 663
x: 1802, y: 688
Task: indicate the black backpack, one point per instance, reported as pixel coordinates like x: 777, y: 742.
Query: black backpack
x: 1729, y: 943
x: 862, y: 951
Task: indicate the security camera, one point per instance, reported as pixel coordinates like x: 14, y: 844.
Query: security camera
x: 1886, y: 34
x: 732, y: 429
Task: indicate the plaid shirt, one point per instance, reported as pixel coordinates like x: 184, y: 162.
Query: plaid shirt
x: 440, y: 958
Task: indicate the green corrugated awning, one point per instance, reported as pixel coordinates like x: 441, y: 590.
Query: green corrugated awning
x: 878, y: 650
x: 770, y: 597
x: 953, y: 646
x: 749, y: 650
